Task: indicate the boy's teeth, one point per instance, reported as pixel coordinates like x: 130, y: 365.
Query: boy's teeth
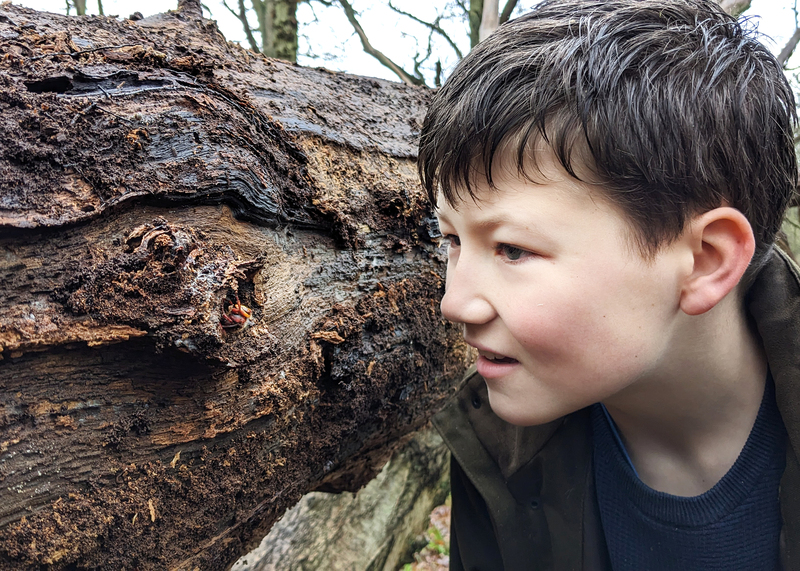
x: 495, y: 357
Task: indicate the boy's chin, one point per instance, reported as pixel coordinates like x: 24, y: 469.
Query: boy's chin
x: 514, y: 413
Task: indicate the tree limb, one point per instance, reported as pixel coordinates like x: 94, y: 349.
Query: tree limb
x: 789, y: 48
x: 404, y: 76
x: 734, y: 7
x: 507, y: 10
x: 432, y: 25
x: 242, y: 17
x: 418, y: 62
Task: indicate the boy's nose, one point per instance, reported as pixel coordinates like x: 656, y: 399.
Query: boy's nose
x: 465, y: 298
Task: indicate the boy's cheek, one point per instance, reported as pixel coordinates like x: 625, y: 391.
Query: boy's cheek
x: 579, y: 337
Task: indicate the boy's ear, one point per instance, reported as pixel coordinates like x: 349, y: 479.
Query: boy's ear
x: 722, y: 244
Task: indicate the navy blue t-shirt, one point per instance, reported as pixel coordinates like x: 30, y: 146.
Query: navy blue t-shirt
x: 734, y: 526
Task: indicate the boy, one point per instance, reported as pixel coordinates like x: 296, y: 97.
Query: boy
x: 611, y: 176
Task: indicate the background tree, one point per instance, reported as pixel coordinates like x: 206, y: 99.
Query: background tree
x: 276, y: 25
x: 271, y: 27
x: 80, y: 7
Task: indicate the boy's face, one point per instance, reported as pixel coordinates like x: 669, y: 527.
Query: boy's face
x: 562, y: 308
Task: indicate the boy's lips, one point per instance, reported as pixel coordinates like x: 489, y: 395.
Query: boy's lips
x: 492, y: 365
x: 495, y: 368
x: 496, y: 357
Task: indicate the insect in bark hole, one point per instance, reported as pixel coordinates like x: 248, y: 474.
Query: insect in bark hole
x: 235, y: 314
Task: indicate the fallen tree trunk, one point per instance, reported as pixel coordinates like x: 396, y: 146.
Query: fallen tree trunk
x: 220, y: 282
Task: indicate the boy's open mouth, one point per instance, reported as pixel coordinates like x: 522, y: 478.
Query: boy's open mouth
x: 494, y: 358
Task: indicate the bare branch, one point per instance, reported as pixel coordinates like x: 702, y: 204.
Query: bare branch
x: 241, y: 15
x: 432, y: 25
x: 417, y: 61
x: 490, y: 18
x: 734, y: 7
x: 377, y: 54
x: 789, y: 48
x: 508, y: 9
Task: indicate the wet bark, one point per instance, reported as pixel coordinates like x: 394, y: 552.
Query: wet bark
x: 151, y: 177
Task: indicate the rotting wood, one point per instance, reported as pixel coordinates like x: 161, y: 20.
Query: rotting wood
x: 150, y: 179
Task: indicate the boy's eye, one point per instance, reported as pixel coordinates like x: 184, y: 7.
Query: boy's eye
x: 512, y: 252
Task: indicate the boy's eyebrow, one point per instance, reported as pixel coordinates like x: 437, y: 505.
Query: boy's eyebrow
x: 492, y: 222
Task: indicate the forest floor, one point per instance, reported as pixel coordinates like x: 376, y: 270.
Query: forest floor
x: 435, y: 556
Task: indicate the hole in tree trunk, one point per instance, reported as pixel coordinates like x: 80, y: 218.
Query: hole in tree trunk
x: 57, y: 84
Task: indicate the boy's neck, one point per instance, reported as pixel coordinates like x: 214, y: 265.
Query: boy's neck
x: 685, y: 426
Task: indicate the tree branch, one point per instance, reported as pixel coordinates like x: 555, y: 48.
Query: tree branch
x: 789, y: 48
x: 734, y: 7
x: 432, y: 25
x: 242, y: 17
x: 404, y: 76
x: 507, y: 10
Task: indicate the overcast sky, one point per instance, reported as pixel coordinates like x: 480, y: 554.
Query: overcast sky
x: 395, y: 35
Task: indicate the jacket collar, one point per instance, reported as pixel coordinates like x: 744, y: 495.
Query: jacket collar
x: 774, y: 304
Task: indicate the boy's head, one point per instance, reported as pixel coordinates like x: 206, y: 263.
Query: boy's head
x: 583, y: 128
x: 668, y: 105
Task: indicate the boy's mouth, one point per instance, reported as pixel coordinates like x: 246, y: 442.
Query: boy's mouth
x: 495, y: 358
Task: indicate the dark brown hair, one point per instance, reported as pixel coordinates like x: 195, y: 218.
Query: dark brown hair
x: 672, y: 105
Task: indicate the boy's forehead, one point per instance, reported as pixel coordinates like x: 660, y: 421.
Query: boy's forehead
x: 539, y: 171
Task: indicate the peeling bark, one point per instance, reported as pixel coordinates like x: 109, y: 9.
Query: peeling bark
x: 153, y: 180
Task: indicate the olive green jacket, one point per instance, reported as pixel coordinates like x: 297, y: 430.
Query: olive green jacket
x: 523, y: 497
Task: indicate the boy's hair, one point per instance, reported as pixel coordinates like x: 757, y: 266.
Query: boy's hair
x: 670, y: 105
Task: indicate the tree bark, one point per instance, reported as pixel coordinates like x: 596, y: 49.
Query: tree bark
x: 490, y: 18
x: 220, y: 281
x: 475, y: 15
x: 285, y: 26
x: 277, y: 25
x: 735, y: 7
